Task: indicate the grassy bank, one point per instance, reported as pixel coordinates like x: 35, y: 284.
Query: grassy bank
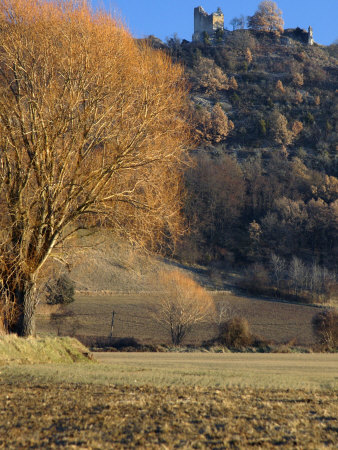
x: 14, y: 350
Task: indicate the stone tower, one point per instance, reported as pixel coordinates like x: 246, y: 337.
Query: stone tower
x: 208, y: 23
x: 310, y: 40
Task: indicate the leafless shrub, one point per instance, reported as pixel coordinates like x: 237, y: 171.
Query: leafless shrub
x: 223, y: 312
x: 65, y: 321
x: 235, y: 333
x: 325, y: 326
x: 184, y: 303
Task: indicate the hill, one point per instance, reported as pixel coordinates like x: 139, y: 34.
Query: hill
x: 265, y: 180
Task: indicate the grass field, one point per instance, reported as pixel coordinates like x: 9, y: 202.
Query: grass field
x: 220, y: 370
x: 215, y: 401
x: 281, y: 322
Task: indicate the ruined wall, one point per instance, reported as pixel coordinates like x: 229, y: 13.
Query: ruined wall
x: 310, y: 40
x: 208, y: 23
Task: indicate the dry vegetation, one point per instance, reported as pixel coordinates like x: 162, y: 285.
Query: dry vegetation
x: 183, y: 305
x: 281, y: 322
x: 14, y: 350
x: 92, y: 130
x: 125, y: 417
x: 171, y: 400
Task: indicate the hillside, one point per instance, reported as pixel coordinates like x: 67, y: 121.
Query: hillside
x: 264, y: 183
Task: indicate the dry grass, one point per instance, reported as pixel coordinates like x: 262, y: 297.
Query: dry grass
x: 86, y: 416
x: 261, y: 371
x: 281, y: 322
x: 14, y: 350
x: 172, y: 401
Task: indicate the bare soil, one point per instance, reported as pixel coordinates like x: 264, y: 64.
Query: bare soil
x: 94, y: 416
x: 135, y: 316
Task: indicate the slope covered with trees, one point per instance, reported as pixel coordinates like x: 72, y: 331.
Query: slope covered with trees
x: 266, y: 175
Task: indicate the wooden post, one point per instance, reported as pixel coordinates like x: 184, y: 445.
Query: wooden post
x: 112, y: 324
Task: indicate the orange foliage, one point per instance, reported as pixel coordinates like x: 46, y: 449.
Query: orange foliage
x: 267, y: 18
x: 280, y: 87
x: 184, y: 304
x: 92, y: 130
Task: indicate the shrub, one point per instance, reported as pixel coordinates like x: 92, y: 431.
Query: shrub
x: 126, y: 343
x: 235, y: 333
x: 183, y: 305
x: 65, y: 321
x: 325, y: 326
x: 60, y: 291
x: 256, y: 279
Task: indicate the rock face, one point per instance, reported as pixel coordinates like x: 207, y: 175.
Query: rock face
x: 207, y: 23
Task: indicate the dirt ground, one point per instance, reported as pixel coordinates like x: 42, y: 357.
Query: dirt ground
x: 96, y: 417
x: 135, y: 317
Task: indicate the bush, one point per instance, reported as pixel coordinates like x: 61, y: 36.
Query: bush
x: 104, y: 343
x: 235, y: 333
x: 256, y: 279
x: 325, y: 326
x: 61, y: 291
x: 183, y: 305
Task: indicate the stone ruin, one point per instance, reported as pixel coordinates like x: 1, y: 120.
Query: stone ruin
x: 310, y: 40
x: 207, y: 23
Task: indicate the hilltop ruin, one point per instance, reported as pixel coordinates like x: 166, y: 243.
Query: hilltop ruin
x: 211, y: 26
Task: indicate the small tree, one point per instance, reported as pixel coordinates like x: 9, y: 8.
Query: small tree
x: 233, y: 83
x: 277, y: 269
x: 267, y: 18
x: 280, y: 87
x: 325, y: 326
x: 238, y: 22
x: 184, y: 304
x: 221, y: 125
x: 60, y: 291
x: 298, y: 97
x: 279, y: 129
x: 298, y: 79
x: 210, y: 77
x: 248, y: 56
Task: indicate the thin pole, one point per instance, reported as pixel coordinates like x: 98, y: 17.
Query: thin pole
x: 112, y: 324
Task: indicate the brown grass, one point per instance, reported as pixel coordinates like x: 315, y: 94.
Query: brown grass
x: 278, y: 321
x: 86, y: 416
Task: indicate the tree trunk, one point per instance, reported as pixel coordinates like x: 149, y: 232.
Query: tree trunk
x: 26, y: 301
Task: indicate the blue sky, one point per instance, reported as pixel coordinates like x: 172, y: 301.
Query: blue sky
x: 163, y: 18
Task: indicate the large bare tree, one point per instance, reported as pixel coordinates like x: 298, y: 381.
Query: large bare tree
x: 92, y: 131
x: 267, y: 18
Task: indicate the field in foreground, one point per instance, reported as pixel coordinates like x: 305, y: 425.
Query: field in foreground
x: 197, y: 400
x: 96, y: 416
x: 214, y: 370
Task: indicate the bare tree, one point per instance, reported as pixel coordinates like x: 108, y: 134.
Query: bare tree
x: 278, y: 268
x: 297, y: 275
x: 325, y: 326
x: 238, y: 22
x: 267, y: 18
x: 184, y: 304
x: 279, y: 129
x: 210, y: 77
x: 92, y: 131
x: 224, y: 312
x: 221, y: 125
